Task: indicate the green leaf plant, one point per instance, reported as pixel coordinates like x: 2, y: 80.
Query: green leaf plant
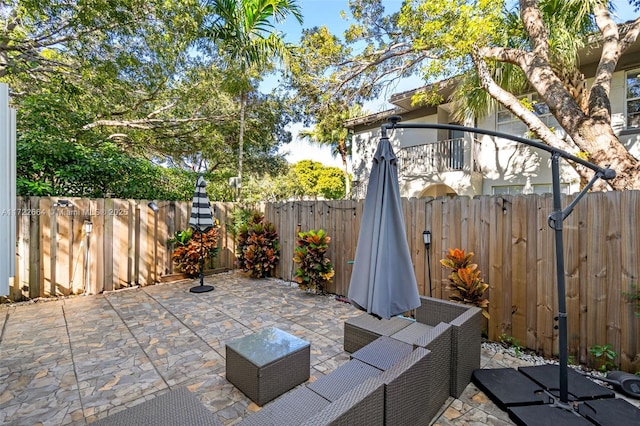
x: 314, y: 270
x: 633, y: 296
x: 604, y: 356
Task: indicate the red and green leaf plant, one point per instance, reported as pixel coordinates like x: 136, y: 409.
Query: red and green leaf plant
x: 465, y: 283
x: 190, y: 246
x: 258, y: 250
x: 314, y: 270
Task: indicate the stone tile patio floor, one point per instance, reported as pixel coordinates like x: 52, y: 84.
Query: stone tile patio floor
x: 77, y: 360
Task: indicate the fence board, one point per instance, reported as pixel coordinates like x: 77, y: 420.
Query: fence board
x: 630, y: 271
x: 597, y: 271
x: 440, y: 247
x: 531, y: 305
x: 496, y: 287
x: 519, y: 268
x: 614, y: 269
x: 430, y: 274
x: 545, y: 278
x: 571, y: 240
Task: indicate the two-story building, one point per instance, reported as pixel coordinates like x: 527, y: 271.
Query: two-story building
x: 433, y: 162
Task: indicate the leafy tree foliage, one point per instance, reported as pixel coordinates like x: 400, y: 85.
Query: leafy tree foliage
x: 115, y: 86
x: 244, y: 34
x: 310, y: 179
x: 503, y: 53
x: 304, y: 180
x: 329, y: 130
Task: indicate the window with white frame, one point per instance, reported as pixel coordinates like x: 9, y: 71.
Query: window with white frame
x: 506, y: 122
x: 534, y: 189
x: 632, y: 94
x: 548, y: 188
x: 508, y: 189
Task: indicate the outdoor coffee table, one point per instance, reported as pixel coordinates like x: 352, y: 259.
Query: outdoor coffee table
x: 266, y: 364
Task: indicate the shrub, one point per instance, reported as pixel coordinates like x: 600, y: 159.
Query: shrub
x: 604, y: 356
x: 191, y: 246
x: 314, y: 270
x: 465, y: 283
x: 258, y: 248
x: 239, y: 218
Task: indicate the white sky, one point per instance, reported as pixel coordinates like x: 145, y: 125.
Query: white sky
x: 327, y: 12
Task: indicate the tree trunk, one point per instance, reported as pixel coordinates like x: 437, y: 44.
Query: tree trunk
x: 343, y: 156
x: 604, y: 149
x: 243, y: 106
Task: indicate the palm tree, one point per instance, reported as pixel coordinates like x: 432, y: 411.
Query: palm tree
x: 248, y: 43
x: 330, y: 130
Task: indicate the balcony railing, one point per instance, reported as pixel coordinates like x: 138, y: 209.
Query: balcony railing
x: 442, y: 156
x: 437, y: 157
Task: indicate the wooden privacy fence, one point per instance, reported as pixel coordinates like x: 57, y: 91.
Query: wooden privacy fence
x: 513, y: 245
x: 126, y: 246
x: 515, y: 251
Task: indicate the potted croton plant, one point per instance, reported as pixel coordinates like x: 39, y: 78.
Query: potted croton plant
x: 465, y: 283
x: 314, y: 270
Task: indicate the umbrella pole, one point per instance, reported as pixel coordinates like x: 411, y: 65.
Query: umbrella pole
x: 201, y: 261
x: 562, y: 303
x: 201, y: 288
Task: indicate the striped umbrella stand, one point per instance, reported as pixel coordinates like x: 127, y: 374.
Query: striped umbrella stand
x: 201, y: 221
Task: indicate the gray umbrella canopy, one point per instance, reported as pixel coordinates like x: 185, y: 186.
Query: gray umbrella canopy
x: 383, y: 282
x: 201, y: 214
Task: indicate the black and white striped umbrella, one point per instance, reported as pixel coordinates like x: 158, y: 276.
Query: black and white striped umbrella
x: 201, y: 214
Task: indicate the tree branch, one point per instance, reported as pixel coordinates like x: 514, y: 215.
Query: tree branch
x: 534, y: 24
x: 145, y: 123
x: 511, y: 102
x: 517, y: 57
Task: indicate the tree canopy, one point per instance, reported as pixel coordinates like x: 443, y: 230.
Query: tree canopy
x: 125, y: 77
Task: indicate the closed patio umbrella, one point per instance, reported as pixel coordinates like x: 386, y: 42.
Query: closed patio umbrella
x: 201, y: 220
x: 383, y: 282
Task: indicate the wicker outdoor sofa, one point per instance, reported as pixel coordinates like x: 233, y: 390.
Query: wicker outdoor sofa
x: 395, y: 375
x: 466, y: 323
x: 387, y: 382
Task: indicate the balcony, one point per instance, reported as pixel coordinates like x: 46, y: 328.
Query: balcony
x: 443, y: 156
x: 452, y: 162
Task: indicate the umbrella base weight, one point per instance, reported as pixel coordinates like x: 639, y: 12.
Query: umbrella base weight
x: 201, y: 289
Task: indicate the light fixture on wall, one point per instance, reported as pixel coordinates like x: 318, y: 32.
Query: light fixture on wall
x: 63, y: 203
x: 426, y: 237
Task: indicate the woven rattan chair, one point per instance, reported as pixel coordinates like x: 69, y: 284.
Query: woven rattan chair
x: 363, y: 405
x: 343, y: 379
x: 291, y: 409
x: 413, y: 380
x: 466, y: 336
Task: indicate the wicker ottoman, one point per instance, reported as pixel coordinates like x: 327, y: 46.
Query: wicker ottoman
x: 266, y: 364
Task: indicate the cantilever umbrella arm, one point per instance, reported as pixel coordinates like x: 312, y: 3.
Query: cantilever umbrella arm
x: 555, y: 219
x: 558, y: 219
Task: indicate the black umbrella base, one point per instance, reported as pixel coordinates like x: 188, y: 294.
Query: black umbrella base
x: 530, y: 395
x: 580, y: 388
x: 201, y: 289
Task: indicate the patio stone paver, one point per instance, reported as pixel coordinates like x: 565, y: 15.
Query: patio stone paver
x: 77, y: 360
